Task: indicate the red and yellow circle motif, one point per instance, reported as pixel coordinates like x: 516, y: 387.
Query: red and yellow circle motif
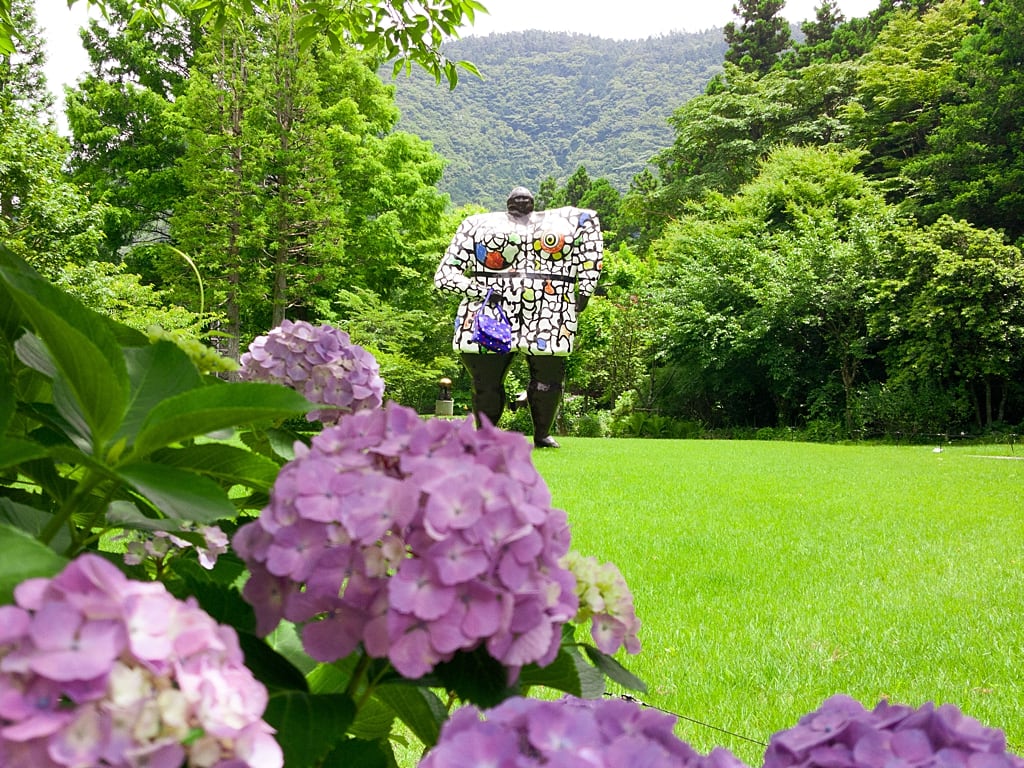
x: 549, y: 242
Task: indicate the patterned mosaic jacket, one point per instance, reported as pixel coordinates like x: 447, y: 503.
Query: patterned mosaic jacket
x: 541, y: 265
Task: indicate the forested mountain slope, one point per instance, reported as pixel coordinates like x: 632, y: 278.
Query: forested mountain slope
x: 550, y: 102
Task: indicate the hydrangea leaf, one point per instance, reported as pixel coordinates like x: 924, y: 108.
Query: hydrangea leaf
x: 419, y: 708
x: 373, y: 722
x: 223, y: 462
x: 561, y: 674
x: 476, y: 677
x: 308, y: 725
x: 214, y: 589
x: 332, y: 677
x: 178, y: 493
x: 14, y: 451
x: 157, y: 371
x: 24, y: 558
x: 219, y: 406
x: 83, y: 349
x: 6, y: 396
x: 365, y: 754
x: 270, y: 667
x: 286, y: 641
x: 614, y: 670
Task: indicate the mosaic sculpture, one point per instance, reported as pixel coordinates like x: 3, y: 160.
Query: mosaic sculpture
x: 543, y: 267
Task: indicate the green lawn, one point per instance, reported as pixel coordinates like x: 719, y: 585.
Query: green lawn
x: 770, y: 575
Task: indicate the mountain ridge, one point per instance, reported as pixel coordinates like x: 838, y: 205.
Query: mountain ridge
x: 549, y: 102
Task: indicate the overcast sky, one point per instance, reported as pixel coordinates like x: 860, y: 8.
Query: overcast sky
x: 618, y: 19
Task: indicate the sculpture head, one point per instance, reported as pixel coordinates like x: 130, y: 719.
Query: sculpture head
x: 520, y: 200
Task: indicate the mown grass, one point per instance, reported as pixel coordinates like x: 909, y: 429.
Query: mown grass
x: 769, y: 576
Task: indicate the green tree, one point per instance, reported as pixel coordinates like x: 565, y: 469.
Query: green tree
x: 125, y: 147
x: 827, y: 17
x: 616, y: 333
x: 577, y: 186
x: 722, y: 135
x: 819, y: 34
x: 299, y: 187
x: 220, y: 221
x: 548, y: 194
x: 301, y: 216
x: 950, y: 305
x: 605, y: 199
x: 764, y: 293
x: 22, y: 82
x: 43, y: 218
x: 406, y: 33
x: 761, y: 36
x: 906, y: 78
x: 973, y: 166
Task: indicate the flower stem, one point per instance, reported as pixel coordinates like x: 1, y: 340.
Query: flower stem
x: 83, y: 489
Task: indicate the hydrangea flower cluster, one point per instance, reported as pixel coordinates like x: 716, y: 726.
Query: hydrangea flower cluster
x: 415, y: 537
x: 321, y: 363
x: 606, y: 601
x: 843, y: 734
x: 96, y: 669
x: 587, y: 733
x: 158, y: 544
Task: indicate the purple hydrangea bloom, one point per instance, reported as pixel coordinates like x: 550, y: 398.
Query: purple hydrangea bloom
x: 96, y: 669
x: 842, y: 733
x: 589, y: 733
x: 415, y: 538
x: 321, y: 363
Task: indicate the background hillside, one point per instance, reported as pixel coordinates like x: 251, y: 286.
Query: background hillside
x: 550, y: 102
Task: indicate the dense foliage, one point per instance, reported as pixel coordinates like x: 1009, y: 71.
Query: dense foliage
x: 245, y: 177
x: 553, y: 102
x: 787, y: 302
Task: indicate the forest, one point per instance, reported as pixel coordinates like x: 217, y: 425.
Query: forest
x: 820, y: 235
x: 553, y: 102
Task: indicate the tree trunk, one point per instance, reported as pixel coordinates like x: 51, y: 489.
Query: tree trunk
x: 988, y: 402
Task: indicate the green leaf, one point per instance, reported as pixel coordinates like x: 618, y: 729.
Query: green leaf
x: 32, y: 521
x: 156, y: 372
x: 70, y: 419
x: 361, y: 753
x: 476, y: 677
x: 7, y: 404
x: 269, y: 666
x: 308, y: 725
x: 14, y: 451
x: 419, y: 708
x: 333, y: 677
x: 23, y: 558
x: 614, y: 670
x: 374, y: 721
x: 285, y: 640
x: 561, y: 674
x: 178, y: 493
x: 225, y: 462
x: 210, y: 408
x: 80, y: 342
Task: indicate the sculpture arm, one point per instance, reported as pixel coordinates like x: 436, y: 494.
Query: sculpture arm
x: 590, y: 259
x: 451, y: 272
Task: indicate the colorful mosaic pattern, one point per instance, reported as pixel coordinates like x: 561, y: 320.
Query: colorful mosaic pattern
x: 540, y: 263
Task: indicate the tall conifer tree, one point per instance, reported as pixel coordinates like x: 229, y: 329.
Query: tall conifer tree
x: 762, y: 34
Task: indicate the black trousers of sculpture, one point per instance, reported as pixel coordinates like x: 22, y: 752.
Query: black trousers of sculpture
x: 544, y: 393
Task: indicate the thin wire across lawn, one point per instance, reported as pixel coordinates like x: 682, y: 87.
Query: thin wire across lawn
x: 771, y: 575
